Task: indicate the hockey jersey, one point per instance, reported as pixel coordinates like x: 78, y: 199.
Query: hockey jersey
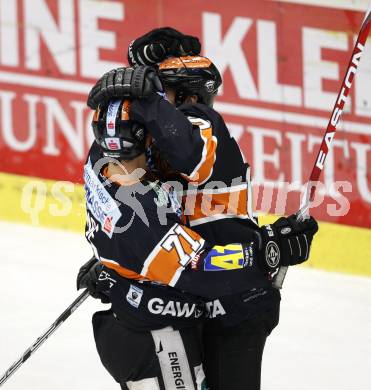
x: 137, y: 231
x: 215, y: 181
x: 215, y: 185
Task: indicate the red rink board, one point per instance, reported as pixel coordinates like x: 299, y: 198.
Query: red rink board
x: 282, y: 65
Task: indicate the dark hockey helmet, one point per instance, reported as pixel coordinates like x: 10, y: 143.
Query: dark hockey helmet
x: 191, y: 75
x: 116, y: 134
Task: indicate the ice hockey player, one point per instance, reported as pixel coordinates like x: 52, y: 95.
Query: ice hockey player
x: 197, y: 145
x: 155, y: 271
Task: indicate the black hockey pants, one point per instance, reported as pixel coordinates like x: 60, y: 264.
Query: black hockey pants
x: 164, y: 359
x: 233, y: 355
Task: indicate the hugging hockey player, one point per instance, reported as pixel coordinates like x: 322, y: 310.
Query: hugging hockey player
x: 198, y: 150
x: 153, y: 269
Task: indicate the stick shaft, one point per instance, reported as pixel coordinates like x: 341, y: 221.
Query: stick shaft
x: 330, y: 131
x: 40, y: 340
x: 338, y: 108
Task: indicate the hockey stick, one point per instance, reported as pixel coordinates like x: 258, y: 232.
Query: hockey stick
x: 303, y: 213
x: 58, y: 322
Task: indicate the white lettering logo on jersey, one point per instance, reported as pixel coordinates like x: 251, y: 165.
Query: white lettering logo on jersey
x: 214, y: 309
x: 172, y: 308
x: 99, y: 202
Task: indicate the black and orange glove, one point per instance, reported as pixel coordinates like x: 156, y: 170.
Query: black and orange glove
x: 160, y: 43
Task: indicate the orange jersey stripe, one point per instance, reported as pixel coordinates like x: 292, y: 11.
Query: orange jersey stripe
x: 205, y: 168
x: 122, y: 271
x: 164, y: 266
x: 205, y: 204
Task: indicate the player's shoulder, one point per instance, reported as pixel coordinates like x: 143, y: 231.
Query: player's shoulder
x: 201, y: 111
x: 146, y: 208
x: 143, y: 203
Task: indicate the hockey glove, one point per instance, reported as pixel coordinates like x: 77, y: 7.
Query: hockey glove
x: 286, y: 242
x: 136, y: 82
x: 153, y: 47
x: 88, y: 277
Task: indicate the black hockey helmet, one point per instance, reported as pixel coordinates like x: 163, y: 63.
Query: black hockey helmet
x: 116, y: 133
x: 191, y: 75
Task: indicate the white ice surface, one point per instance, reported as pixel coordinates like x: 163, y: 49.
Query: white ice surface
x: 323, y: 341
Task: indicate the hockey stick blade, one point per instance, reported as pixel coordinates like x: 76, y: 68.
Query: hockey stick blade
x: 56, y: 324
x: 337, y: 111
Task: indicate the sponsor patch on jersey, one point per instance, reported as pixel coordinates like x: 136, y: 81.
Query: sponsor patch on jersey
x: 99, y: 202
x: 196, y: 260
x: 222, y: 258
x: 134, y: 296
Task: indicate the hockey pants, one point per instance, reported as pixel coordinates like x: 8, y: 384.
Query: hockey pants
x: 164, y: 359
x: 233, y: 355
